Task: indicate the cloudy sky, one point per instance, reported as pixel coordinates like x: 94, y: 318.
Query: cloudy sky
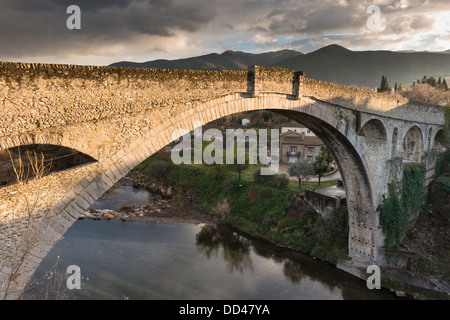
x: 143, y: 30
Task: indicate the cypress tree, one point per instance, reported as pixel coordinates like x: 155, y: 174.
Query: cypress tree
x: 384, y: 86
x: 445, y: 85
x: 432, y: 82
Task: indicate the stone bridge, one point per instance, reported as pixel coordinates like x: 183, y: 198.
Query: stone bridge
x: 121, y: 116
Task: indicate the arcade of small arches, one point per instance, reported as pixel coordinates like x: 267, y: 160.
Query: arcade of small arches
x: 412, y: 142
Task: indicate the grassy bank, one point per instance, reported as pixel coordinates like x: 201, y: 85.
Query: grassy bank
x: 275, y: 214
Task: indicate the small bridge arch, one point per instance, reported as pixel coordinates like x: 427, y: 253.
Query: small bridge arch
x: 374, y: 129
x: 413, y: 144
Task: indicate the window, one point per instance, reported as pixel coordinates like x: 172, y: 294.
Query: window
x: 293, y: 149
x: 311, y: 149
x: 310, y: 159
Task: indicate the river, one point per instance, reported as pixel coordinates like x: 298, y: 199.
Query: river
x: 167, y: 261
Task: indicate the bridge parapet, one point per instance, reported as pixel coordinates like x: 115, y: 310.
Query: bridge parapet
x: 36, y: 96
x: 366, y: 100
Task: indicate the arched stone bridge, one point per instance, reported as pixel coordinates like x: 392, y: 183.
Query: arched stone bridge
x: 121, y: 116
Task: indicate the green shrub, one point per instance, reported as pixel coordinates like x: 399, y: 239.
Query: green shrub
x: 281, y: 181
x: 398, y: 206
x: 157, y: 171
x: 267, y: 180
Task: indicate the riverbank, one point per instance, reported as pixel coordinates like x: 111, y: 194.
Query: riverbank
x: 177, y: 209
x: 187, y: 195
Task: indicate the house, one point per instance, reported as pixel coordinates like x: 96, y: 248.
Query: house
x: 325, y: 200
x: 299, y: 145
x: 299, y: 129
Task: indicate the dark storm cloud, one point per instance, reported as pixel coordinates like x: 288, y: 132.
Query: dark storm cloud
x: 40, y: 26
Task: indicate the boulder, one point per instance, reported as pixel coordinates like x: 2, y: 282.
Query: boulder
x: 108, y: 216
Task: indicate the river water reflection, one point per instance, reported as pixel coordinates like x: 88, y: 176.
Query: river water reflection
x: 150, y: 260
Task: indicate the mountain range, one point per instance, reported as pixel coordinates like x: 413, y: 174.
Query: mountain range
x: 229, y: 60
x: 332, y: 63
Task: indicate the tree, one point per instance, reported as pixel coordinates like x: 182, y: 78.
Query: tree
x: 320, y: 166
x: 267, y: 116
x: 424, y: 79
x: 236, y: 166
x: 327, y: 154
x: 239, y: 167
x: 301, y: 169
x: 439, y: 84
x: 426, y: 93
x: 384, y: 86
x: 32, y: 219
x: 432, y: 82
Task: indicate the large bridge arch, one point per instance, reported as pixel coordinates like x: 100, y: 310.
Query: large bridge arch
x: 95, y: 179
